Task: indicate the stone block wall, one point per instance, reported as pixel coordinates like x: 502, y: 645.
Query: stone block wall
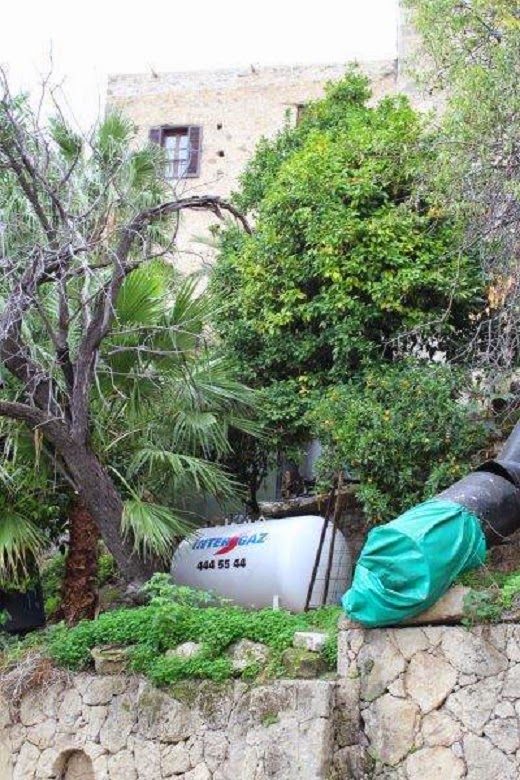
x: 431, y: 703
x: 413, y: 703
x: 121, y: 728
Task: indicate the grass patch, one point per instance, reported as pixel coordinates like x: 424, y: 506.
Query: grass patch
x: 173, y: 616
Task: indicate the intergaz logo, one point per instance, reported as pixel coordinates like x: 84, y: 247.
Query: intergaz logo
x: 227, y: 544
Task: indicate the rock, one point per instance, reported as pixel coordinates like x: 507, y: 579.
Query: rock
x: 100, y: 765
x: 439, y: 729
x: 162, y: 718
x: 390, y: 725
x: 347, y: 723
x: 186, y: 650
x: 110, y: 659
x: 512, y: 683
x: 265, y: 702
x: 39, y: 704
x: 379, y: 663
x: 101, y: 690
x: 6, y: 766
x: 26, y: 762
x: 121, y: 766
x: 429, y: 680
x: 474, y: 705
x: 201, y: 772
x: 410, y: 641
x: 397, y: 688
x: 505, y: 709
x: 448, y: 609
x: 42, y: 735
x: 434, y: 763
x: 484, y: 761
x: 94, y: 718
x: 472, y: 653
x: 314, y: 698
x: 46, y: 764
x: 513, y: 644
x: 302, y: 664
x: 352, y: 762
x: 349, y: 644
x: 119, y: 723
x: 503, y: 733
x: 69, y: 710
x: 147, y: 758
x: 215, y: 748
x: 5, y: 715
x: 245, y: 653
x: 467, y: 679
x: 175, y: 759
x: 310, y: 640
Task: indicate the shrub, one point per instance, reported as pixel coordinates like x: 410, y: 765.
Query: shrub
x: 404, y: 430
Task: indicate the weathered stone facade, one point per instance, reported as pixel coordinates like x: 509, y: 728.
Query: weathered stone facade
x: 432, y: 702
x: 415, y: 703
x: 234, y: 108
x: 121, y: 728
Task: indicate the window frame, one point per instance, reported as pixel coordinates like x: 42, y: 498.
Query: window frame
x: 194, y: 135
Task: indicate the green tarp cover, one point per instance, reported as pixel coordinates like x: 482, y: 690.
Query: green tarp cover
x: 406, y: 565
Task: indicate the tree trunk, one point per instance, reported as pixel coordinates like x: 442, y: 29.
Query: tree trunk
x: 80, y: 591
x: 99, y: 496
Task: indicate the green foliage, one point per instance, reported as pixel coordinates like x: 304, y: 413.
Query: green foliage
x: 510, y: 589
x: 404, y: 430
x: 343, y: 259
x: 158, y: 404
x: 472, y: 52
x: 491, y: 593
x: 481, y: 606
x: 52, y: 572
x: 177, y: 615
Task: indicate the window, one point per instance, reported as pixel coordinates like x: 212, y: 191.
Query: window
x: 182, y: 146
x: 300, y: 112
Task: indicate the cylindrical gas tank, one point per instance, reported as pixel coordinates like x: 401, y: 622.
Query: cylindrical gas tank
x: 252, y: 564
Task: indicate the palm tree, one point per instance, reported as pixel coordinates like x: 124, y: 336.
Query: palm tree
x: 163, y: 409
x: 104, y: 352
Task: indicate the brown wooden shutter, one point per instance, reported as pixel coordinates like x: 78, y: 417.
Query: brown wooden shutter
x: 155, y: 135
x: 195, y: 137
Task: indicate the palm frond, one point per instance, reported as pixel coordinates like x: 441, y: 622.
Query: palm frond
x: 144, y: 293
x: 186, y: 470
x: 20, y: 540
x: 153, y: 528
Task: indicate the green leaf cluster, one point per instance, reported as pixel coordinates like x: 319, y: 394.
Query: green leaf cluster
x: 344, y: 259
x: 175, y: 616
x: 406, y: 431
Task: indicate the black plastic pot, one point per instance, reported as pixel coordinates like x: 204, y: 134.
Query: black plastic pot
x: 26, y: 610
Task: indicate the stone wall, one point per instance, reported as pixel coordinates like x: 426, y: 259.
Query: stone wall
x: 430, y: 703
x: 121, y: 728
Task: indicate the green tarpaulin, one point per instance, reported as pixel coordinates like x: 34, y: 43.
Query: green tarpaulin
x: 406, y: 565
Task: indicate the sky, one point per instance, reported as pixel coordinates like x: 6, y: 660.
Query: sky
x: 88, y: 41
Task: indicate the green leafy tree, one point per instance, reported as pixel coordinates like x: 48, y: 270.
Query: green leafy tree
x: 345, y: 266
x: 406, y: 431
x: 473, y: 50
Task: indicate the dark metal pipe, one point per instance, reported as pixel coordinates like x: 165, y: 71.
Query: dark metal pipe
x: 492, y: 492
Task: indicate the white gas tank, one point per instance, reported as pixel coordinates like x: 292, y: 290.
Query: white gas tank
x: 251, y: 564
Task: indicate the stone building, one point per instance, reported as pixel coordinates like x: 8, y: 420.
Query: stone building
x: 210, y: 122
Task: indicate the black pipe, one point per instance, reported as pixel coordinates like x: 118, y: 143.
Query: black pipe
x: 492, y: 492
